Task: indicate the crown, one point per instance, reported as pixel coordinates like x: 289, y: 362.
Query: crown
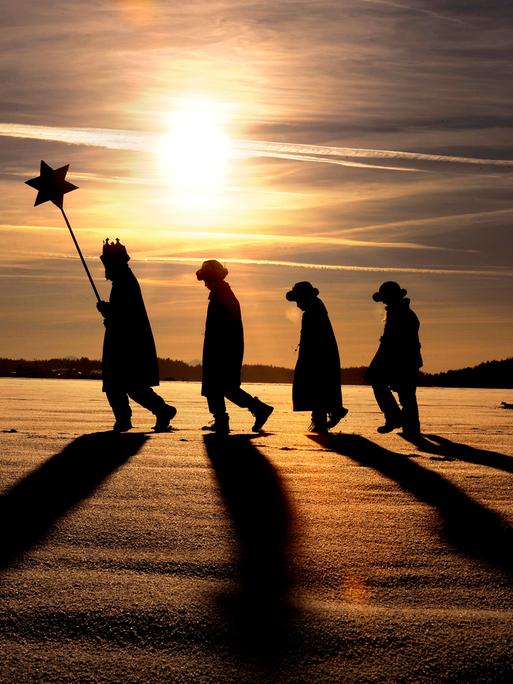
x: 114, y: 252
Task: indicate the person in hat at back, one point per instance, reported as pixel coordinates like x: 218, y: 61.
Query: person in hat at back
x: 317, y: 380
x: 129, y: 363
x: 396, y: 364
x: 223, y: 351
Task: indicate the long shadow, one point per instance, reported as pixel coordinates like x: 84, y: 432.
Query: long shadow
x: 259, y: 610
x: 441, y: 446
x: 31, y: 506
x: 472, y: 528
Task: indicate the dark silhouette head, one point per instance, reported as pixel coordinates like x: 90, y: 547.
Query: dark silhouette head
x: 302, y: 293
x: 389, y: 293
x: 115, y: 258
x: 212, y: 272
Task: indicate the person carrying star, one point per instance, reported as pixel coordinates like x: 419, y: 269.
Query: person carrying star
x: 129, y: 362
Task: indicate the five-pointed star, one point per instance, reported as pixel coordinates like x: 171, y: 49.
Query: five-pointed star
x: 51, y: 184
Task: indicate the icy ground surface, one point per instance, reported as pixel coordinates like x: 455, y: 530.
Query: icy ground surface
x: 278, y: 557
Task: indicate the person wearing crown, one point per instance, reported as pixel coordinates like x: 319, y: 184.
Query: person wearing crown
x: 396, y: 364
x: 316, y: 385
x: 129, y: 363
x: 223, y: 350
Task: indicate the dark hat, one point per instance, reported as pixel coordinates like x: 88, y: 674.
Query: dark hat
x: 301, y: 290
x: 212, y: 269
x: 114, y: 253
x: 389, y: 290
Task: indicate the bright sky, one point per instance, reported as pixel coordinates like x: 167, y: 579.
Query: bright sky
x: 345, y: 143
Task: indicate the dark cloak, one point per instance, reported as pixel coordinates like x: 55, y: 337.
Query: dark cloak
x: 398, y: 358
x: 129, y: 354
x: 223, y: 347
x: 317, y: 375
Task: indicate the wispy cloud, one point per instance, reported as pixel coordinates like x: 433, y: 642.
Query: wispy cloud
x: 415, y: 10
x: 148, y: 142
x: 497, y: 273
x: 230, y: 239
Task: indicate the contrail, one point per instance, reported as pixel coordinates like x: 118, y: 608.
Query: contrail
x: 365, y: 153
x: 415, y: 10
x: 149, y: 142
x: 335, y: 267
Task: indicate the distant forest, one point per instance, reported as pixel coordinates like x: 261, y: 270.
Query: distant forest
x: 491, y: 374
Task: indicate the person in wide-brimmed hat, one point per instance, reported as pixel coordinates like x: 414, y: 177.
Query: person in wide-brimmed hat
x: 396, y: 363
x: 129, y: 363
x: 316, y: 385
x: 223, y: 351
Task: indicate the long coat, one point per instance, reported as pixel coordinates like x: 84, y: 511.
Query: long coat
x: 317, y: 374
x: 129, y: 354
x: 398, y: 357
x: 223, y: 347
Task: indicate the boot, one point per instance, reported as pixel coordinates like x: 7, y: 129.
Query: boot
x: 335, y: 416
x: 390, y: 425
x: 122, y: 425
x: 164, y: 418
x: 220, y: 425
x: 261, y: 412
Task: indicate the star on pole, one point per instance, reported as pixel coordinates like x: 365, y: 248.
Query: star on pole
x: 51, y: 185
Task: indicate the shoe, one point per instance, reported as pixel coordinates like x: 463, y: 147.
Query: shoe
x: 336, y: 416
x: 220, y: 425
x: 164, y: 418
x: 122, y: 425
x: 261, y: 412
x: 411, y: 434
x: 319, y: 428
x: 389, y: 426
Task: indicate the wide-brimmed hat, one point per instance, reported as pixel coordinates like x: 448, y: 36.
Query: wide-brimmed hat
x: 211, y: 269
x: 114, y: 253
x: 389, y: 290
x: 301, y: 290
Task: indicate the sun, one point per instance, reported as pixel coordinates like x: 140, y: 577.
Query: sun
x: 195, y: 154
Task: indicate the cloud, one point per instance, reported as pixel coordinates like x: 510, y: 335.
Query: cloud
x: 497, y: 273
x: 130, y: 140
x: 415, y: 10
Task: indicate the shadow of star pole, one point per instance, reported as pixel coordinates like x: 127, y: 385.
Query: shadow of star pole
x: 51, y: 186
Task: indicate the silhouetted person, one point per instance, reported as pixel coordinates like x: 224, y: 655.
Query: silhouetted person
x: 129, y: 364
x: 316, y: 385
x: 223, y: 350
x: 396, y: 364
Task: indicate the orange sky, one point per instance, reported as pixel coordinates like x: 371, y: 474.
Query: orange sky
x: 341, y: 143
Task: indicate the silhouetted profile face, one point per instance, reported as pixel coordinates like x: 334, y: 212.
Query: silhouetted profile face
x: 211, y: 283
x: 115, y: 270
x: 302, y: 302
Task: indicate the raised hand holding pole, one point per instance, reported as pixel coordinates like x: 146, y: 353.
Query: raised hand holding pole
x: 51, y: 185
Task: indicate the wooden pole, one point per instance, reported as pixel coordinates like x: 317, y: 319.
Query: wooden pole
x: 81, y: 256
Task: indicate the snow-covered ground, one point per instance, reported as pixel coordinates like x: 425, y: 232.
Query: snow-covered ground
x: 280, y: 557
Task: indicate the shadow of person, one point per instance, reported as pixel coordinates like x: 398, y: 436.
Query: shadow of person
x: 31, y: 506
x: 445, y: 448
x: 256, y: 502
x: 470, y: 527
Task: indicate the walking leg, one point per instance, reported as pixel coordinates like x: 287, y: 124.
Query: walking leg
x: 408, y: 398
x: 389, y: 407
x: 149, y: 399
x: 118, y: 401
x: 258, y: 408
x: 217, y: 407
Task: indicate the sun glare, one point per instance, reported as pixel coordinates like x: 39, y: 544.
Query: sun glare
x: 195, y: 153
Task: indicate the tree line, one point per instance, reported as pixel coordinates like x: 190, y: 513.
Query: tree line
x: 491, y: 374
